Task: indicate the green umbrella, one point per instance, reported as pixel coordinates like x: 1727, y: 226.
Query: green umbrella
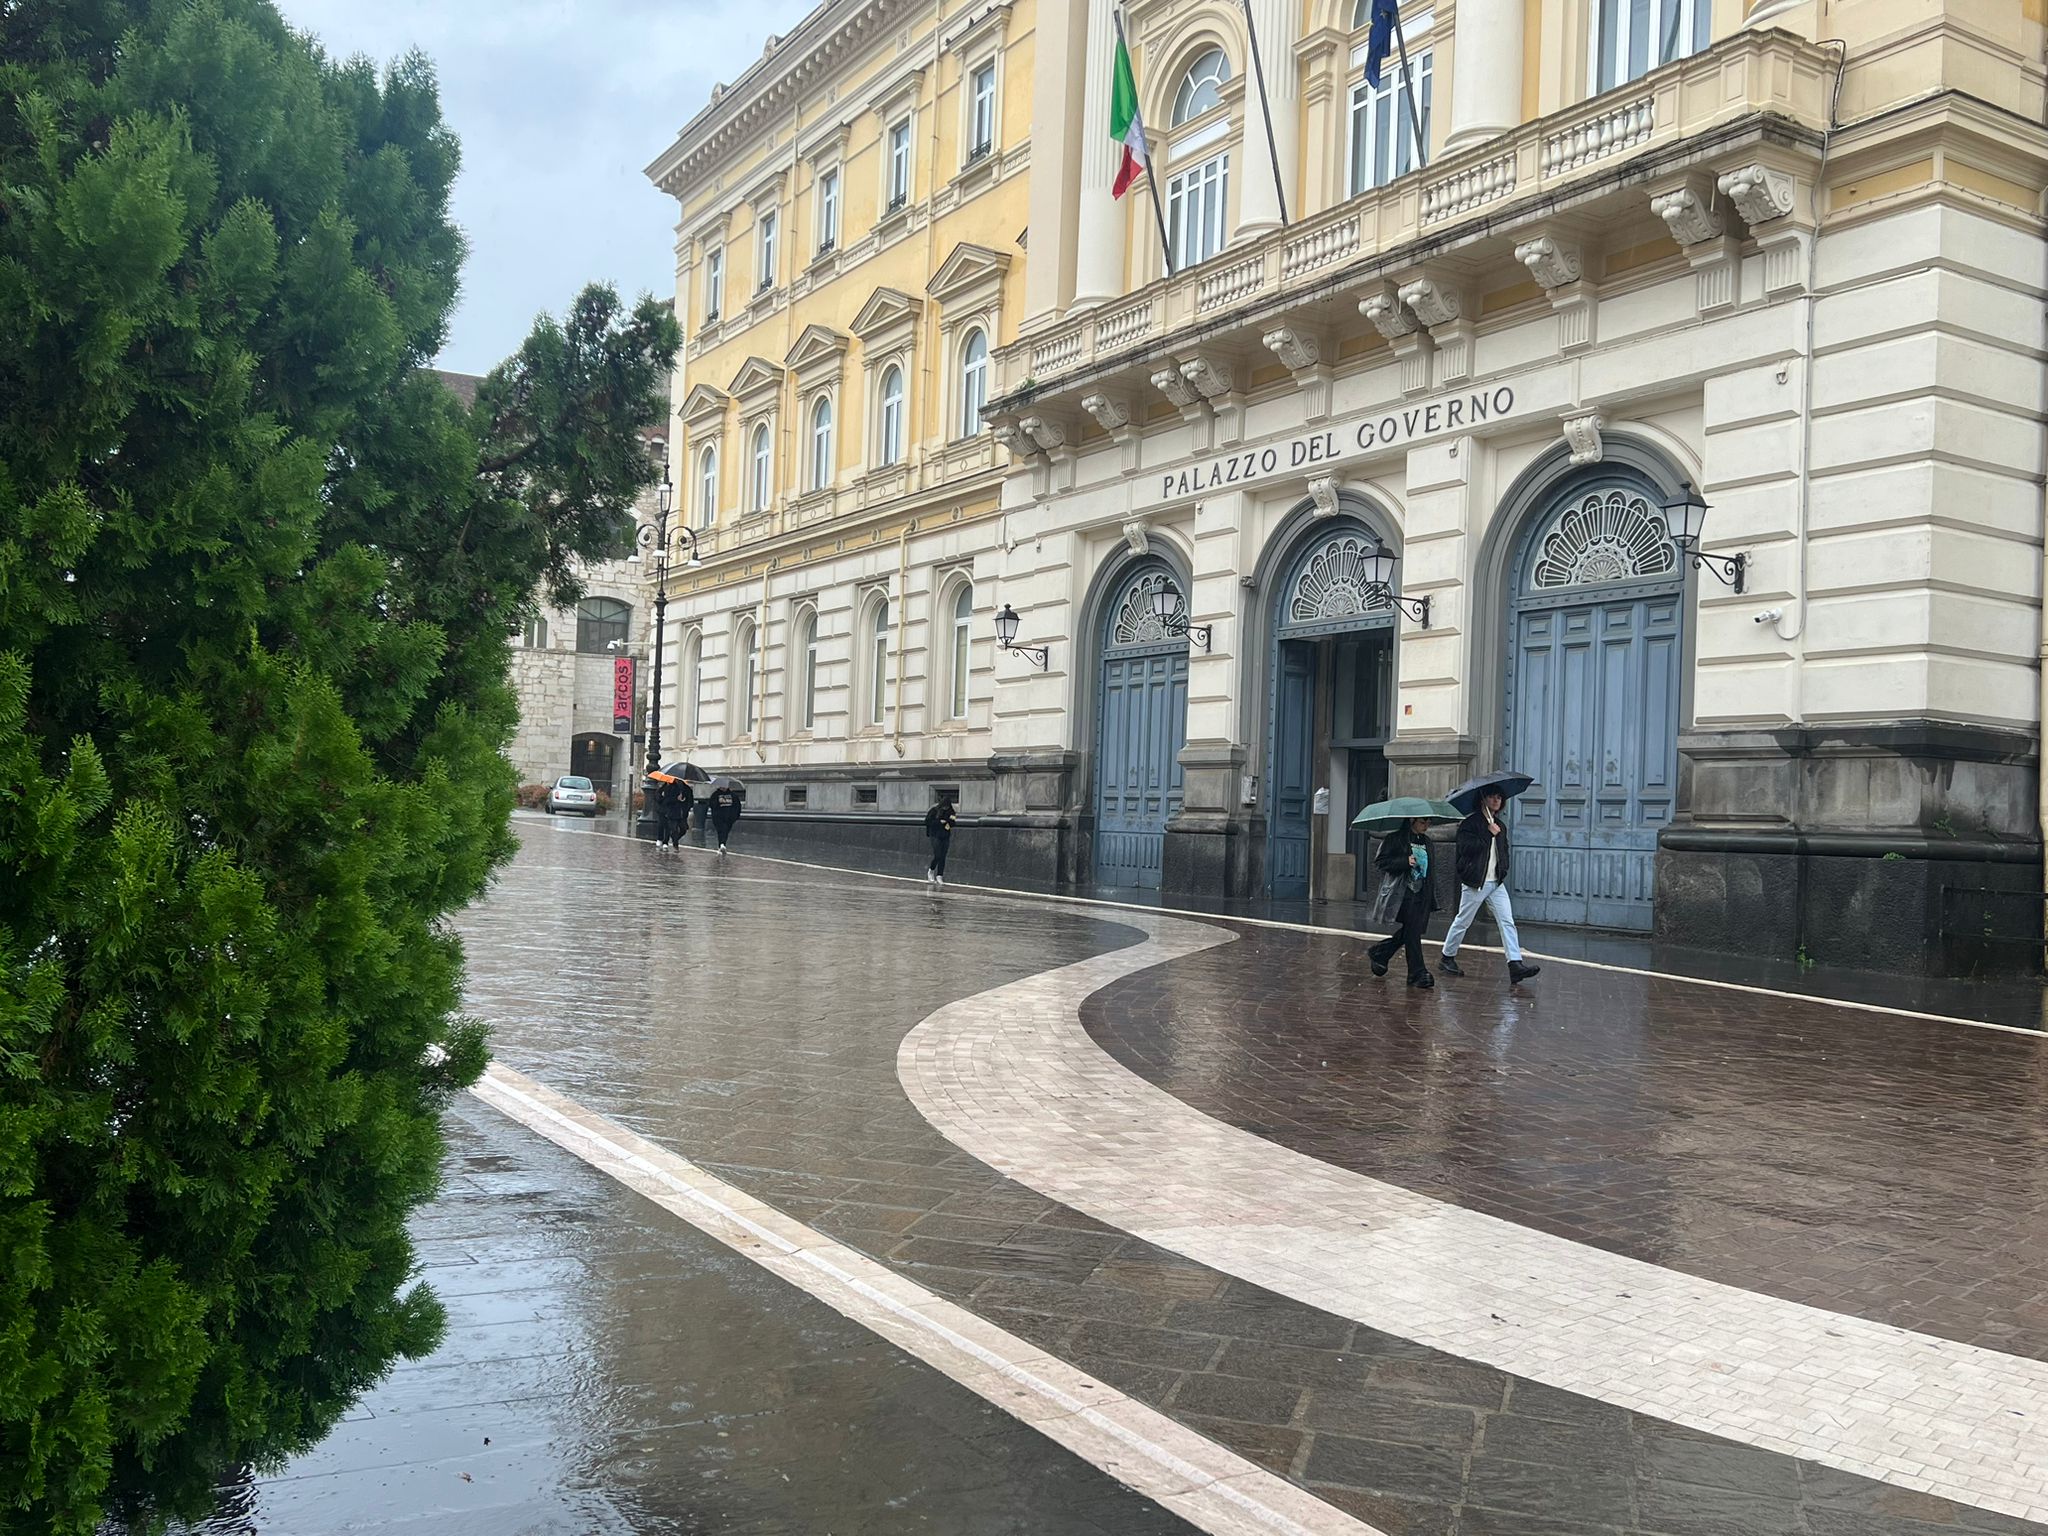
x: 1388, y: 815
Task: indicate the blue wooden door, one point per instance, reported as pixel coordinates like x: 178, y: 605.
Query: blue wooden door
x: 1294, y: 723
x: 1144, y: 726
x: 1594, y: 717
x: 1593, y: 708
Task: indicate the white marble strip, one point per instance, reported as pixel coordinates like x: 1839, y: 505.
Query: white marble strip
x: 1212, y: 1488
x: 1011, y: 1076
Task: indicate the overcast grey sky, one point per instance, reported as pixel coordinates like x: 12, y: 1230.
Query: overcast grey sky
x: 559, y: 104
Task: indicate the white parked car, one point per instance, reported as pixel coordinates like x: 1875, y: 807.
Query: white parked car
x: 572, y: 794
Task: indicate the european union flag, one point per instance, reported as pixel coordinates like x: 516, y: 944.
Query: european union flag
x: 1379, y: 39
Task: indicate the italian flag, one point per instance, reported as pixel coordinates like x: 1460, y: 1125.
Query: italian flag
x: 1125, y: 126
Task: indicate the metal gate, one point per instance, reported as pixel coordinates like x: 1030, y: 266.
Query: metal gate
x: 1141, y: 726
x: 1593, y: 707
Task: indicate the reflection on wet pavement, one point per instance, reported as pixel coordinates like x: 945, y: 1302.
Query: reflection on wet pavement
x: 610, y: 1370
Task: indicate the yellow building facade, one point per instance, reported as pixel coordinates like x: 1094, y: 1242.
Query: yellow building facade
x: 849, y: 261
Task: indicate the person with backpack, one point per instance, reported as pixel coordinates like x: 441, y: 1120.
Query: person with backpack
x: 725, y: 801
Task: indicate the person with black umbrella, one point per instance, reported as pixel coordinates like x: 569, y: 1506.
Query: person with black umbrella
x: 726, y: 798
x: 1481, y: 865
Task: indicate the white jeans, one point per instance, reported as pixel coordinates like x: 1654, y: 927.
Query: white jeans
x: 1495, y: 895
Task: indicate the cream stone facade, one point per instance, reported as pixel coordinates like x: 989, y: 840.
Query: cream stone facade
x: 1789, y: 256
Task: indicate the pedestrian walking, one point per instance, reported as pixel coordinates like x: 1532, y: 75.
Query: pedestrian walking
x: 938, y: 827
x: 672, y: 803
x: 725, y: 803
x: 1482, y: 868
x: 1408, y: 896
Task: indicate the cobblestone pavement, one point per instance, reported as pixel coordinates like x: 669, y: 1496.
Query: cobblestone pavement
x: 1888, y: 1168
x: 608, y: 1370
x: 748, y: 1015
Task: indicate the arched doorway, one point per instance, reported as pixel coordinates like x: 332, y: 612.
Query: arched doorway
x: 1332, y: 690
x: 1141, y: 724
x: 595, y: 756
x: 1595, y: 673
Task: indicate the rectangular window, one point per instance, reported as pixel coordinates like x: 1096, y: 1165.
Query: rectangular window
x: 1634, y: 37
x: 767, y: 279
x: 899, y: 164
x: 1194, y: 211
x: 828, y: 211
x: 981, y: 137
x: 1383, y: 126
x: 864, y: 794
x: 714, y: 284
x: 796, y: 796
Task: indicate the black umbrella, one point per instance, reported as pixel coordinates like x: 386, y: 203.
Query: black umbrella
x: 1507, y: 783
x: 689, y: 771
x: 726, y: 781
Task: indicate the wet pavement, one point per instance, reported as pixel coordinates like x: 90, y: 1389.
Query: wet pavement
x: 748, y: 1015
x: 610, y: 1370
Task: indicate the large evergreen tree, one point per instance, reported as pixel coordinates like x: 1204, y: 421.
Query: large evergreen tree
x: 257, y: 574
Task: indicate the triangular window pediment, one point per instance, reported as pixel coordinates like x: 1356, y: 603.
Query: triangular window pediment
x: 971, y: 269
x: 817, y: 345
x: 756, y: 375
x: 885, y: 307
x: 704, y: 400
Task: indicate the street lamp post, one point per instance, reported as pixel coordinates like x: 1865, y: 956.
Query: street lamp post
x: 660, y: 543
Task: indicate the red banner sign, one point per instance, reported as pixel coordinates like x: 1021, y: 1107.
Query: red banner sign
x: 622, y: 694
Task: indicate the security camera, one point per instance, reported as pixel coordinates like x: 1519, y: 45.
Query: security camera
x: 1768, y: 616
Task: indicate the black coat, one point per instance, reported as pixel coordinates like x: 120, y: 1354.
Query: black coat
x: 725, y: 806
x: 1473, y: 836
x: 1392, y: 859
x: 938, y: 821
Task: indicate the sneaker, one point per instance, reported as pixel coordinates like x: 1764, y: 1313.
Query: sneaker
x: 721, y: 850
x: 1449, y: 966
x: 1520, y: 972
x: 1425, y: 981
x: 939, y: 881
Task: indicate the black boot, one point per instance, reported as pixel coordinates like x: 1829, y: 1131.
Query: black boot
x: 1379, y: 965
x: 1425, y: 981
x: 1449, y: 966
x: 1518, y: 972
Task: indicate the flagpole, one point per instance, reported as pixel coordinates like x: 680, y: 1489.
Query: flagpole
x: 1407, y: 85
x: 1251, y: 29
x: 1151, y: 181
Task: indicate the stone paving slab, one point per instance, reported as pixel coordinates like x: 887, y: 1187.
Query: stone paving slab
x: 608, y: 1371
x: 1890, y: 1168
x: 771, y: 1062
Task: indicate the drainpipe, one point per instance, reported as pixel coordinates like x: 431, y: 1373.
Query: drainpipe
x: 902, y: 632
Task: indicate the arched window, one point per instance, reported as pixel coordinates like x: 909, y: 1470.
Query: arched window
x: 878, y: 663
x: 1361, y: 14
x: 762, y: 469
x: 891, y: 425
x: 973, y: 381
x: 746, y: 655
x: 806, y: 651
x: 693, y: 685
x: 536, y: 633
x: 600, y: 621
x: 957, y: 654
x: 821, y: 443
x: 707, y: 486
x: 1201, y: 88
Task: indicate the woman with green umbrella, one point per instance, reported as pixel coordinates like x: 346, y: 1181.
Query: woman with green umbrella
x: 1407, y: 895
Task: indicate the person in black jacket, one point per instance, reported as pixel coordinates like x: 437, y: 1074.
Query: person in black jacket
x: 1404, y: 856
x: 938, y: 826
x: 1482, y: 868
x: 671, y: 812
x: 725, y: 804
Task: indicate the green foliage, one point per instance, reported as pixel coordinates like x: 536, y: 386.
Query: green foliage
x: 257, y: 574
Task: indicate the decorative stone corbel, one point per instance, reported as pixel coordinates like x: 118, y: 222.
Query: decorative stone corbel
x: 1301, y: 351
x: 1552, y: 264
x: 1168, y: 382
x: 1211, y: 377
x: 1440, y: 306
x: 1582, y: 436
x: 1138, y: 536
x: 1044, y: 431
x: 1009, y: 436
x: 1410, y: 343
x: 1691, y: 210
x: 1323, y: 492
x: 1759, y: 193
x: 1110, y: 413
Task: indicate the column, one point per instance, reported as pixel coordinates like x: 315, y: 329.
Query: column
x: 1486, y: 87
x: 1279, y: 28
x: 1056, y: 161
x: 1099, y: 265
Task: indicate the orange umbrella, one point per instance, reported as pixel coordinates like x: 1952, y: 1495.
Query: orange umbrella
x: 662, y: 778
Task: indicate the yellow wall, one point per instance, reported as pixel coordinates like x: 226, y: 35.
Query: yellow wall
x: 991, y: 215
